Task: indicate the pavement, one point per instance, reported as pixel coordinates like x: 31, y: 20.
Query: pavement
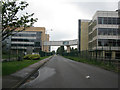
x: 60, y: 72
x: 16, y: 79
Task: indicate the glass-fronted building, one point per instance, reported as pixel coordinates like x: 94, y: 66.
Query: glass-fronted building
x: 25, y: 39
x: 104, y: 35
x: 29, y: 41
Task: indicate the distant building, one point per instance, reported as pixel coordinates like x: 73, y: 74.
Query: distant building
x: 30, y: 40
x: 83, y: 35
x: 104, y: 35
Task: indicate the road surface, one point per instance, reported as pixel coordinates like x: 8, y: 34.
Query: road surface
x: 60, y: 72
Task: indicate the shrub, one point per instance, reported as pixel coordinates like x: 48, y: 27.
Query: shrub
x: 32, y: 57
x: 27, y: 56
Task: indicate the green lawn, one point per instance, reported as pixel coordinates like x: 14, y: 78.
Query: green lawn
x: 13, y: 66
x: 107, y: 66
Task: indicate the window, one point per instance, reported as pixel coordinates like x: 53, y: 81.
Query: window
x: 114, y: 31
x: 37, y: 44
x: 108, y: 31
x: 23, y: 40
x: 108, y: 42
x: 114, y: 42
x: 100, y: 20
x: 108, y: 20
x: 99, y: 42
x: 105, y: 20
x: 118, y: 21
x: 108, y: 55
x: 114, y: 20
x: 118, y: 31
x: 118, y: 43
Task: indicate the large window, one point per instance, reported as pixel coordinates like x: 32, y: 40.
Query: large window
x: 108, y: 42
x: 25, y: 35
x: 23, y: 40
x: 22, y: 45
x: 108, y: 20
x: 108, y: 31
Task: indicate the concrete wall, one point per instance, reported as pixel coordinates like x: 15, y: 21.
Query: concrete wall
x: 84, y: 35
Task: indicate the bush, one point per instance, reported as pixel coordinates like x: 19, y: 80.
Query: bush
x: 32, y: 57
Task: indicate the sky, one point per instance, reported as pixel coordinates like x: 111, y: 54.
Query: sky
x: 60, y: 17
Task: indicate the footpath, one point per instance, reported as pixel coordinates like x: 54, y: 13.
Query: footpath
x: 16, y: 79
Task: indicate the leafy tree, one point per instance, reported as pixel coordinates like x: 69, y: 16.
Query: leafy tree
x: 61, y: 50
x: 10, y: 19
x: 53, y: 52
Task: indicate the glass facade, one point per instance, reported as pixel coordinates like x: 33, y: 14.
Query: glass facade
x: 37, y: 42
x: 107, y: 35
x: 22, y: 45
x: 25, y: 35
x: 23, y: 40
x: 109, y: 42
x: 108, y: 31
x: 109, y: 20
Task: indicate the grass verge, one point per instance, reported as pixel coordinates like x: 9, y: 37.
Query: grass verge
x: 107, y: 66
x: 13, y: 66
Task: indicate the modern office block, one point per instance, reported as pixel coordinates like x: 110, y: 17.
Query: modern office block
x: 104, y: 35
x: 30, y: 40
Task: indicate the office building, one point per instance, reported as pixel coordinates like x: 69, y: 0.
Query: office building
x: 30, y: 40
x: 104, y: 35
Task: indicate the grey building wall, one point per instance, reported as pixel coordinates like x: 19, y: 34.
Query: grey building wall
x: 25, y: 39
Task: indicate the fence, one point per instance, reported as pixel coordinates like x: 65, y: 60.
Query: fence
x: 12, y: 55
x: 96, y: 58
x: 17, y: 55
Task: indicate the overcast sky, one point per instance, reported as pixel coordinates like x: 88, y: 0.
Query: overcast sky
x: 62, y: 15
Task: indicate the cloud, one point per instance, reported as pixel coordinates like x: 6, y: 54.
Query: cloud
x: 62, y: 15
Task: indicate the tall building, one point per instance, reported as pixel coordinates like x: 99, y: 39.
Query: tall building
x: 30, y: 40
x: 83, y: 35
x: 104, y: 35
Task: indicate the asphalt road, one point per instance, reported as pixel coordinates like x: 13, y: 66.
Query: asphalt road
x: 60, y: 72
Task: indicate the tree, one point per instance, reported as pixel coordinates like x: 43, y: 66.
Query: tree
x: 61, y: 50
x: 53, y: 52
x: 11, y: 21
